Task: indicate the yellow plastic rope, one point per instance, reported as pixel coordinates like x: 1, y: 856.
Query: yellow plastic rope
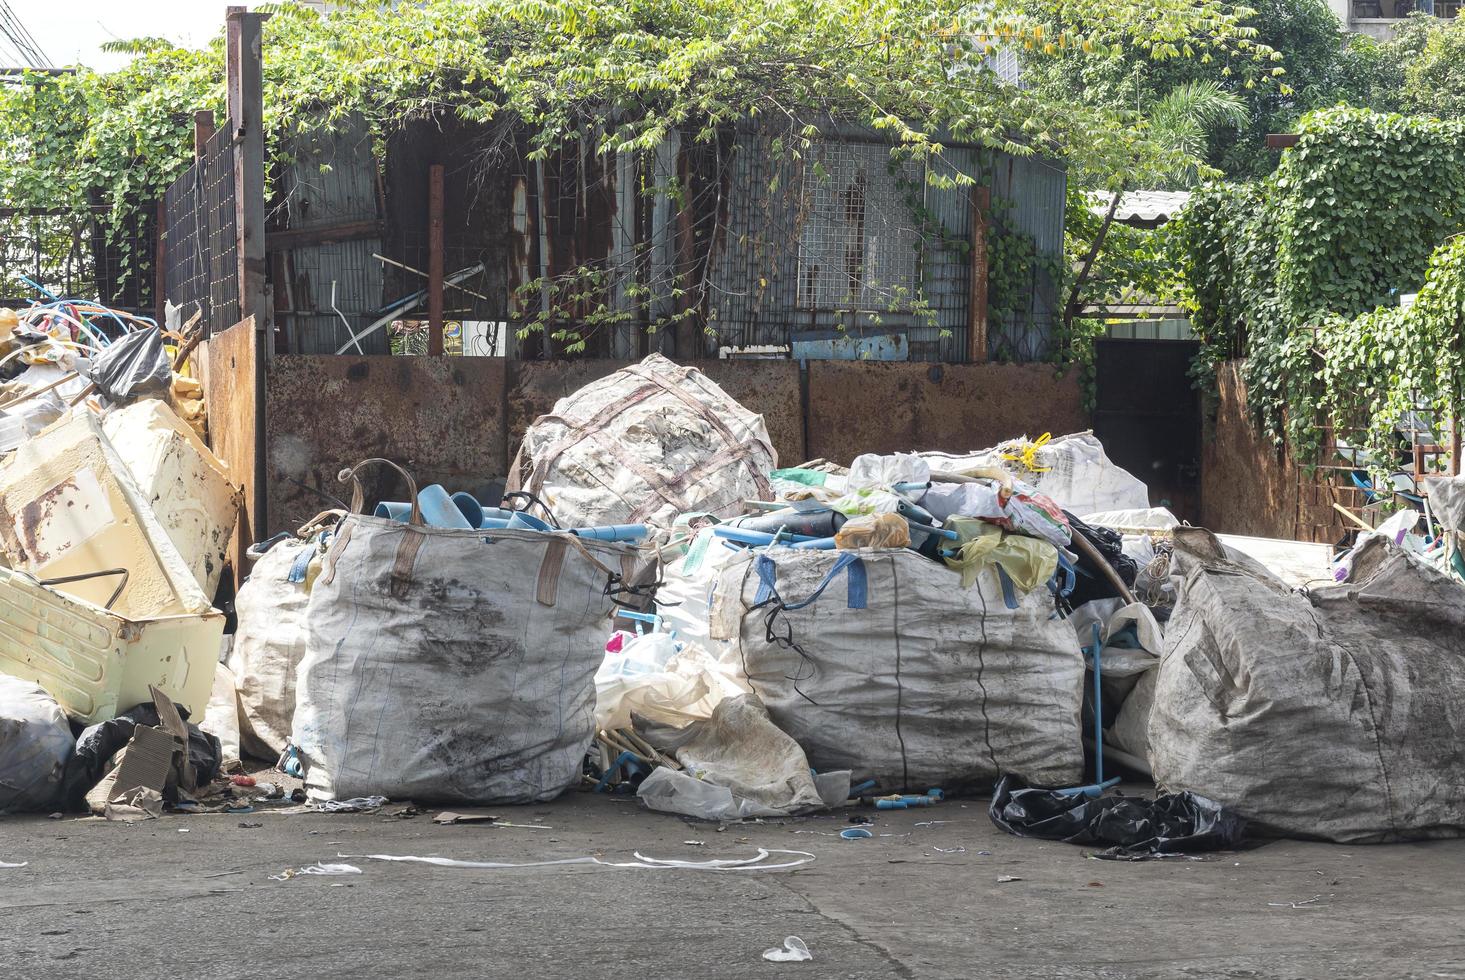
x: 1027, y: 454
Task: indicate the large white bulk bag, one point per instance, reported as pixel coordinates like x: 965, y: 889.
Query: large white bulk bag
x: 1072, y: 470
x: 1335, y: 713
x: 884, y: 665
x: 451, y: 666
x: 269, y: 644
x: 645, y: 444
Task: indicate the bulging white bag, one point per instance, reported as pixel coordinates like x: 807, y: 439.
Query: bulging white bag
x: 269, y: 644
x: 881, y: 663
x: 449, y: 665
x: 645, y: 444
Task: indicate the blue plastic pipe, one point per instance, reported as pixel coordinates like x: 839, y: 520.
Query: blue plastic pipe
x: 757, y: 537
x: 611, y: 532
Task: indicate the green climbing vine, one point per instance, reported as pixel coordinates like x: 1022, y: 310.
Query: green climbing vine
x: 1300, y: 275
x: 624, y: 77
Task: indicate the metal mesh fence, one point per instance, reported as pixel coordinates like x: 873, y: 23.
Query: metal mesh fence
x: 78, y: 253
x: 200, y: 243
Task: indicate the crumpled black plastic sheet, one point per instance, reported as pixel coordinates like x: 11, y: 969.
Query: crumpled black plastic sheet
x: 1129, y: 827
x: 133, y: 367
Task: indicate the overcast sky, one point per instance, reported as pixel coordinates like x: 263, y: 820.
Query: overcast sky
x: 71, y: 31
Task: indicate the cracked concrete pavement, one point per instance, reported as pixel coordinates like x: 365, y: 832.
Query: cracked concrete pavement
x: 191, y: 896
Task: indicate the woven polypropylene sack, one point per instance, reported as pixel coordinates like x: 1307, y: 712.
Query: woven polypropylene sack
x: 451, y: 666
x: 898, y: 673
x: 269, y: 644
x: 1335, y: 713
x: 645, y: 444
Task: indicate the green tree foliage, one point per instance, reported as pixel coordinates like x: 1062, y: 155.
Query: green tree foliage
x: 1433, y: 54
x: 623, y: 74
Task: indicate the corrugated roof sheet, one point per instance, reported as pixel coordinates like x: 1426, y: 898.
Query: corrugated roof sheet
x: 1141, y: 207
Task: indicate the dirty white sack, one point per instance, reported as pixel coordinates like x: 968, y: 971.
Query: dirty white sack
x: 269, y: 644
x: 896, y: 672
x: 451, y: 666
x: 1333, y: 713
x: 645, y: 444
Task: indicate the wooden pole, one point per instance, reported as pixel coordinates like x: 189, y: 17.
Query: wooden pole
x: 435, y: 260
x: 977, y: 344
x: 244, y: 79
x: 204, y: 128
x: 246, y: 105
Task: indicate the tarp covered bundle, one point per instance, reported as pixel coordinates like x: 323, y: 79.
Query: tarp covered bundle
x: 643, y: 445
x: 880, y: 663
x: 451, y: 666
x: 1336, y: 713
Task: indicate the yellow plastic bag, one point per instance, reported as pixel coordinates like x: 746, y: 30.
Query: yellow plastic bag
x: 1029, y: 562
x: 874, y: 531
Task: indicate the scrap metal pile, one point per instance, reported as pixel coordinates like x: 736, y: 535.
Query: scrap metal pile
x: 656, y: 607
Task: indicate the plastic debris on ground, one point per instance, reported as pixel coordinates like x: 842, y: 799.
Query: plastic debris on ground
x: 766, y: 859
x: 793, y: 950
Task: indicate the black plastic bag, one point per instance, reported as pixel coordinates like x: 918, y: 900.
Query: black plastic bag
x: 134, y: 367
x: 1174, y: 823
x: 97, y: 744
x: 1091, y: 582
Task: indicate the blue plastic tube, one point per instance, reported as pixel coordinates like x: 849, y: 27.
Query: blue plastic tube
x: 611, y: 532
x: 756, y: 537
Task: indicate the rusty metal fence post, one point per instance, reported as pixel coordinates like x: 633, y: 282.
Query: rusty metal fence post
x: 435, y: 260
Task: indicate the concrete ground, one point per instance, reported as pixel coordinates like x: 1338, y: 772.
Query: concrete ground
x: 191, y: 896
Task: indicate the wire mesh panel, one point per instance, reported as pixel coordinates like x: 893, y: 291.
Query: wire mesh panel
x: 859, y: 248
x: 78, y: 253
x: 846, y: 239
x: 200, y: 241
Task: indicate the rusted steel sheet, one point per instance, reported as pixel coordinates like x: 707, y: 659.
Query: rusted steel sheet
x: 862, y: 407
x: 441, y: 417
x: 227, y: 369
x: 770, y: 388
x: 1249, y: 487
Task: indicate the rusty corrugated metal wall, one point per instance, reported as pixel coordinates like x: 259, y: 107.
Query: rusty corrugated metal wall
x: 330, y: 191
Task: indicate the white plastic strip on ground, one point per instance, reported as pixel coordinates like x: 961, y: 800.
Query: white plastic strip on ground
x: 655, y: 864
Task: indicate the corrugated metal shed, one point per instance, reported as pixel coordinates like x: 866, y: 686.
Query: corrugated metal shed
x: 330, y: 191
